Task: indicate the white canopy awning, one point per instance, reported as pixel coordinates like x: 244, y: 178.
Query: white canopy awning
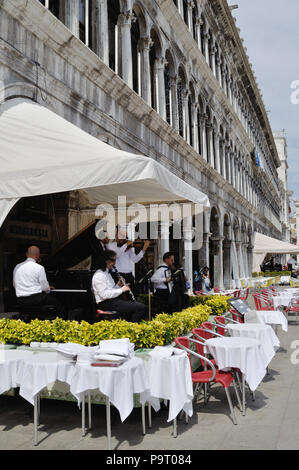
x: 264, y: 245
x: 42, y: 153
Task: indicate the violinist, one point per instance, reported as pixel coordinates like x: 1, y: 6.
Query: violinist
x: 126, y: 256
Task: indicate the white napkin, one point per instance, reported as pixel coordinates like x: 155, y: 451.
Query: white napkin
x: 165, y: 352
x: 108, y: 357
x: 70, y: 350
x: 121, y: 347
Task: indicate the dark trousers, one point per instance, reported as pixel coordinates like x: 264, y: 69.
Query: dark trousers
x: 130, y: 311
x: 40, y: 300
x: 162, y: 300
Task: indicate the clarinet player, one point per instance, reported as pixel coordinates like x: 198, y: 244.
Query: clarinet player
x: 108, y: 294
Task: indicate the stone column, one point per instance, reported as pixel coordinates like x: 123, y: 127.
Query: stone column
x: 160, y: 66
x: 250, y: 258
x: 203, y: 255
x: 174, y: 104
x: 232, y: 156
x: 190, y: 15
x: 240, y: 259
x: 125, y: 21
x: 227, y: 264
x: 211, y: 146
x: 217, y: 153
x: 194, y: 126
x: 197, y: 33
x: 163, y: 242
x: 187, y: 258
x: 186, y: 120
x: 146, y: 92
x: 213, y: 52
x: 207, y: 53
x: 203, y: 136
x: 72, y: 16
x: 228, y: 166
x: 222, y: 156
x: 101, y: 28
x: 218, y: 261
x: 181, y: 8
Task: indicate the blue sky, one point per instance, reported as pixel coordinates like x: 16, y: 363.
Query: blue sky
x: 270, y: 29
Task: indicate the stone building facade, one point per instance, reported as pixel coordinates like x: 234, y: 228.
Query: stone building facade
x: 281, y: 145
x: 167, y: 79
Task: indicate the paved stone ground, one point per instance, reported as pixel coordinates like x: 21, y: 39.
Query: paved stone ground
x: 271, y: 421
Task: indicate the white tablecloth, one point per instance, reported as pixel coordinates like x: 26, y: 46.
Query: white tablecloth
x: 10, y: 362
x: 282, y: 300
x: 245, y: 354
x: 119, y: 383
x: 38, y: 370
x: 275, y: 317
x: 263, y: 333
x: 170, y: 379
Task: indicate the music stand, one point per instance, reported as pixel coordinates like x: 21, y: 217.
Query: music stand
x: 147, y: 277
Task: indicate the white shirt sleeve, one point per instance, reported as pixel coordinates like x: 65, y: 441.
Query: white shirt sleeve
x: 43, y: 280
x: 135, y: 258
x: 159, y: 276
x: 103, y: 289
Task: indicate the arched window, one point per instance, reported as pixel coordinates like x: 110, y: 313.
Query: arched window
x: 56, y: 7
x: 181, y: 87
x: 194, y: 21
x: 155, y: 52
x: 203, y: 36
x: 169, y: 73
x: 185, y: 11
x: 208, y: 129
x: 135, y: 37
x: 113, y: 33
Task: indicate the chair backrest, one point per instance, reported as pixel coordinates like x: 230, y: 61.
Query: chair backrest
x: 262, y: 303
x: 207, y: 325
x: 184, y: 341
x: 236, y: 316
x: 203, y: 335
x: 237, y: 293
x: 216, y: 289
x: 222, y: 321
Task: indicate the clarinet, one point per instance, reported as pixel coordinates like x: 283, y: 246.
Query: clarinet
x: 122, y: 280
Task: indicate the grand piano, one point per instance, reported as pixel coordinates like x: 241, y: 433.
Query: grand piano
x: 70, y: 271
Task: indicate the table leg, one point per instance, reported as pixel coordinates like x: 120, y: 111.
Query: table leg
x: 243, y: 395
x: 143, y: 418
x: 149, y: 415
x: 35, y: 419
x: 108, y: 419
x: 89, y: 410
x: 83, y: 415
x: 175, y: 428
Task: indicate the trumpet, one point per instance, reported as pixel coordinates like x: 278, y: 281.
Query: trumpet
x: 123, y: 281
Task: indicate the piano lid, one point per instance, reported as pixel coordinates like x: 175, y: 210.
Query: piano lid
x: 77, y: 249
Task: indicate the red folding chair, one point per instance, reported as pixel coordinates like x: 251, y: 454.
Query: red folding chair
x: 211, y: 375
x: 293, y: 308
x: 262, y: 303
x: 246, y: 295
x: 237, y: 293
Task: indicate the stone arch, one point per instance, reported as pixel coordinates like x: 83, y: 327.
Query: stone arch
x: 154, y: 55
x: 18, y: 90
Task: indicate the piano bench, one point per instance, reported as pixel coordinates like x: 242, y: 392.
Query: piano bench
x: 40, y: 312
x: 103, y: 315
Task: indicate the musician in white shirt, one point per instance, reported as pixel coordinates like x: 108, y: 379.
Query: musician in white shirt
x: 31, y: 284
x: 161, y: 281
x: 126, y: 257
x: 108, y: 293
x: 170, y: 286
